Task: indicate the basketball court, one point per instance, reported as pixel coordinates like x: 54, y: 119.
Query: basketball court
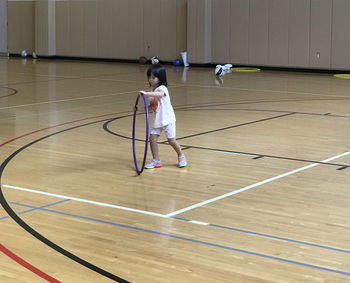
x: 264, y: 198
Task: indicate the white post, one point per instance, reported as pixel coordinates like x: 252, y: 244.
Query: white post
x: 184, y: 58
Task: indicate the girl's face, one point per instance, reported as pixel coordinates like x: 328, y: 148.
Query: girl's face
x: 153, y: 81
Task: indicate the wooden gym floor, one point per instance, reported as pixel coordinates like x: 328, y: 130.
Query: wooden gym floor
x: 265, y: 196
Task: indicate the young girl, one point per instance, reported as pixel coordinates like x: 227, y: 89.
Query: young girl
x: 164, y: 117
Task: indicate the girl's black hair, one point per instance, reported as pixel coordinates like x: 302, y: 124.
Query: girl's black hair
x: 159, y: 72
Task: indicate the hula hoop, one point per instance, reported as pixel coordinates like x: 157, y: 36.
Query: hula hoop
x: 139, y: 171
x: 246, y: 69
x: 342, y: 76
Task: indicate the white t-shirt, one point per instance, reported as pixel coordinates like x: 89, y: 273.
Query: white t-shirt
x: 164, y: 114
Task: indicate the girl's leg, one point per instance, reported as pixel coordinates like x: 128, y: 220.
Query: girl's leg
x: 173, y: 142
x: 154, y: 146
x: 155, y: 163
x: 182, y: 162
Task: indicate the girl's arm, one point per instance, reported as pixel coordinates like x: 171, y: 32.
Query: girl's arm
x: 156, y: 94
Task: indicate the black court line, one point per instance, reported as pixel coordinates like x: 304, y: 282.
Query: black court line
x: 13, y: 91
x: 343, y: 166
x: 235, y: 126
x: 37, y: 235
x: 257, y: 155
x: 263, y: 110
x: 105, y: 127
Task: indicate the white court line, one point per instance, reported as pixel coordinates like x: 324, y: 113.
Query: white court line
x: 186, y: 208
x: 253, y: 185
x: 199, y: 222
x: 73, y: 99
x: 84, y: 200
x: 69, y: 99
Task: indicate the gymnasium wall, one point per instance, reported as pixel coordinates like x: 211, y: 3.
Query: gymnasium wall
x: 199, y: 31
x: 21, y: 25
x: 281, y: 33
x: 3, y: 28
x: 121, y: 29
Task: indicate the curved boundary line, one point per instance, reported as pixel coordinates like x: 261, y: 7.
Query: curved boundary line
x: 58, y: 125
x: 344, y: 166
x: 28, y: 228
x: 27, y: 265
x: 36, y: 234
x: 10, y: 94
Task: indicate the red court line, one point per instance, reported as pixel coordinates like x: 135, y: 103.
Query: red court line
x: 28, y: 265
x: 66, y: 123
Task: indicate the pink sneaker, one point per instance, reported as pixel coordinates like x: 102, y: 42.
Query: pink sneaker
x: 154, y: 164
x: 182, y: 161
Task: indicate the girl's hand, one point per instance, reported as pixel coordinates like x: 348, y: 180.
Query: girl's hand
x: 142, y: 92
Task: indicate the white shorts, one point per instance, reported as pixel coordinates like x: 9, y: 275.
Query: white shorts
x: 170, y: 130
